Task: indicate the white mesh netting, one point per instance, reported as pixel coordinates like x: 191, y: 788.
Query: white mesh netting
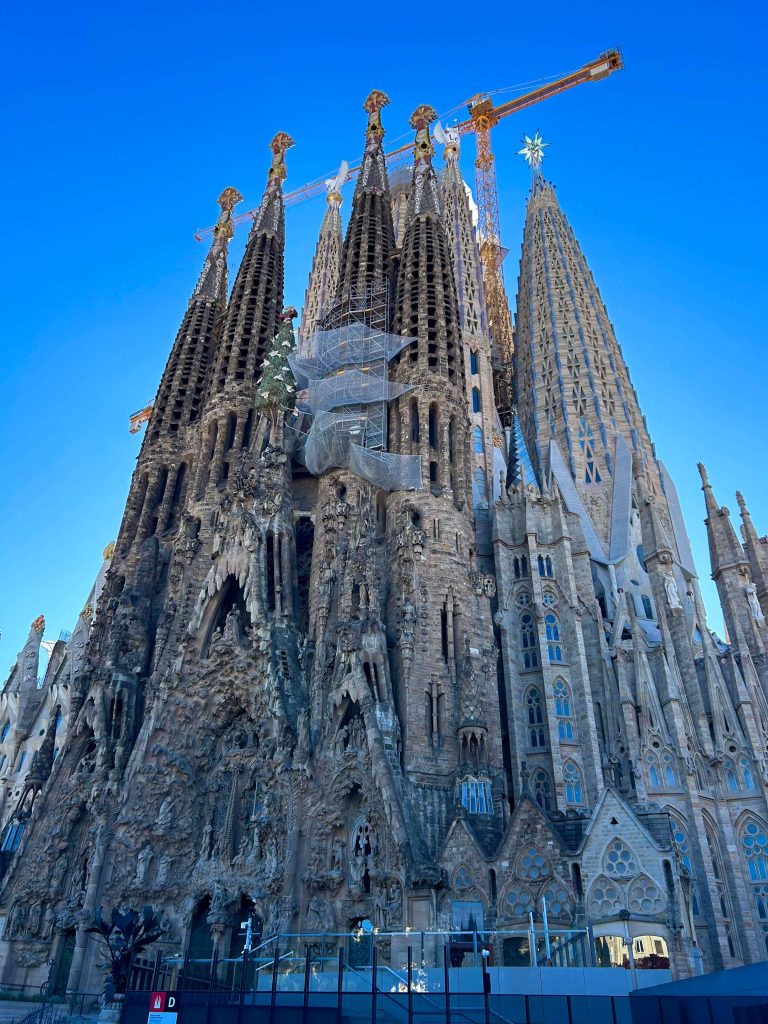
x: 347, y: 369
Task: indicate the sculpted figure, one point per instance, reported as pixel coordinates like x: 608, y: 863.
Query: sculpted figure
x: 142, y: 866
x: 165, y: 815
x: 673, y: 594
x: 754, y: 604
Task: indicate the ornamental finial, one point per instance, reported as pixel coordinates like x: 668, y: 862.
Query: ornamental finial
x: 229, y: 199
x: 421, y: 119
x: 533, y: 151
x: 742, y: 504
x: 109, y: 551
x: 376, y: 101
x: 279, y: 145
x: 39, y: 624
x: 423, y: 116
x: 703, y: 474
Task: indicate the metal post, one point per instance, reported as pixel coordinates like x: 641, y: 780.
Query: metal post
x: 410, y: 985
x: 474, y: 948
x: 273, y: 998
x: 307, y: 964
x: 546, y: 929
x: 340, y: 988
x: 155, y: 972
x: 486, y: 990
x: 374, y: 987
x: 591, y: 951
x: 184, y: 968
x: 532, y: 939
x: 447, y: 982
x: 242, y: 987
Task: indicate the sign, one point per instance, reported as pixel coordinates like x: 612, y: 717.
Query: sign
x: 162, y: 1008
x: 161, y: 1018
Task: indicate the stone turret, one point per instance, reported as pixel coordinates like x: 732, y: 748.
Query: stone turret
x: 251, y: 323
x: 756, y: 550
x: 324, y: 275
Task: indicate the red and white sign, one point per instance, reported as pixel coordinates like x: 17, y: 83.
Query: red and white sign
x: 157, y: 1001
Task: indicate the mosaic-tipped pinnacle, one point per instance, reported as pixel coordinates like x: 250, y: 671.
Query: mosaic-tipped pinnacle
x: 229, y: 199
x: 422, y: 117
x: 376, y: 100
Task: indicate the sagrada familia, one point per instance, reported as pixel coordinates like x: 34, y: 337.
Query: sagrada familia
x: 383, y: 641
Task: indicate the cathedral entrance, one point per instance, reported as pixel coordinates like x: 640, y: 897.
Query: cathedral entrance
x: 60, y: 973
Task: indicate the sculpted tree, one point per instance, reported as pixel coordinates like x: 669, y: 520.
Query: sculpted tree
x: 124, y: 935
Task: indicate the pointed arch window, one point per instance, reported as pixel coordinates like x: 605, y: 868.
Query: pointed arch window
x: 554, y: 649
x: 528, y: 641
x: 669, y: 769
x: 573, y: 783
x: 562, y: 696
x: 722, y: 893
x: 754, y: 840
x: 745, y: 771
x: 477, y: 440
x: 536, y: 734
x: 730, y: 776
x: 475, y: 400
x: 652, y: 764
x: 473, y: 362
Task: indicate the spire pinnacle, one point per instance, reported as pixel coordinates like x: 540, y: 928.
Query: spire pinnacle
x: 703, y: 474
x: 424, y: 196
x: 279, y: 146
x: 374, y: 104
x: 742, y: 504
x: 213, y: 279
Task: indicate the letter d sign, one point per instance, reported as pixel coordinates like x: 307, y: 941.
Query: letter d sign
x: 171, y: 1002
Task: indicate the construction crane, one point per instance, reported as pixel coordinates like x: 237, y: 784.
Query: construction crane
x: 483, y: 117
x: 139, y: 418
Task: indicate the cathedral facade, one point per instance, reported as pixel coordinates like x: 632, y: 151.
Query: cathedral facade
x: 370, y: 648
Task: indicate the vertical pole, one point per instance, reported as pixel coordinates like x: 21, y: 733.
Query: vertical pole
x: 486, y: 991
x: 447, y: 982
x: 184, y: 969
x: 374, y: 987
x: 273, y: 997
x: 307, y: 964
x: 474, y: 948
x: 532, y: 933
x: 340, y: 986
x: 155, y: 972
x: 591, y: 952
x: 242, y: 987
x: 547, y: 946
x: 410, y: 985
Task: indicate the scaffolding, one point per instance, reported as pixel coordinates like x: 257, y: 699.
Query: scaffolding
x: 342, y: 377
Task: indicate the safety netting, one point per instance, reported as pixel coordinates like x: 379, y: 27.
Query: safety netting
x: 342, y: 376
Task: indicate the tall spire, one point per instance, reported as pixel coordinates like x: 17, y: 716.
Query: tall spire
x: 457, y: 216
x: 725, y: 549
x: 426, y: 305
x: 572, y: 383
x: 370, y: 239
x: 181, y: 389
x: 257, y: 296
x: 324, y: 276
x: 756, y: 549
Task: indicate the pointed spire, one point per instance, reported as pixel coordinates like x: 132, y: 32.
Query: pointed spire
x: 725, y: 551
x: 572, y: 381
x: 254, y: 307
x: 24, y: 674
x: 370, y: 239
x: 424, y: 196
x: 179, y: 396
x: 756, y: 549
x: 324, y: 275
x: 212, y: 283
x: 519, y: 468
x: 275, y: 393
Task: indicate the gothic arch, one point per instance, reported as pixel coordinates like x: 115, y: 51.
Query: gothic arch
x: 605, y: 898
x: 229, y: 595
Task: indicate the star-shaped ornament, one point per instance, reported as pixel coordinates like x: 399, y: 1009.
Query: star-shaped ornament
x: 533, y: 150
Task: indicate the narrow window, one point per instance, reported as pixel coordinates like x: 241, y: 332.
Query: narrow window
x: 473, y: 362
x: 475, y: 400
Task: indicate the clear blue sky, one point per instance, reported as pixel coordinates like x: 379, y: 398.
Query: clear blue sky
x: 123, y: 122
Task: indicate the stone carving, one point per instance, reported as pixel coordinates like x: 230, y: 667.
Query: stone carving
x: 673, y: 594
x: 754, y: 604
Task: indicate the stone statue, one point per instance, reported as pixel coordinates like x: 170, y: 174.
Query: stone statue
x: 337, y: 854
x: 164, y: 815
x: 754, y: 605
x: 673, y: 594
x: 163, y: 870
x: 142, y: 866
